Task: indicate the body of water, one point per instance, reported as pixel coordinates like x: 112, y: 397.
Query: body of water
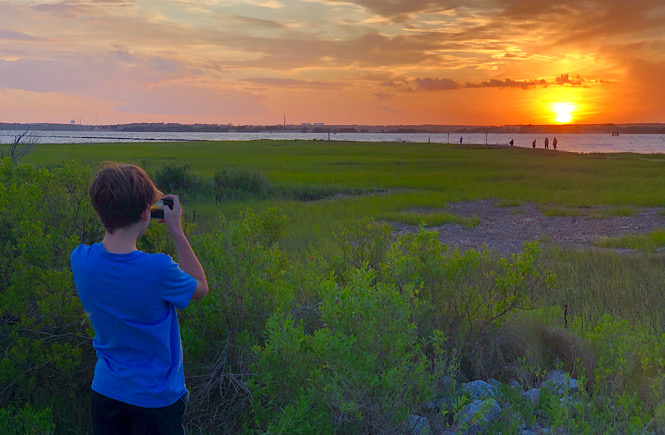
x: 580, y: 143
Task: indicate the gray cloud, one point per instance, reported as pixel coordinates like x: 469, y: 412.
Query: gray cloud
x: 370, y: 49
x: 508, y: 83
x: 566, y: 79
x: 12, y: 52
x: 74, y: 8
x: 447, y: 84
x: 429, y: 84
x: 400, y: 10
x: 279, y: 82
x: 382, y: 96
x: 124, y: 56
x: 17, y: 36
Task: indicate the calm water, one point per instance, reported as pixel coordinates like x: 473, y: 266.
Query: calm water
x: 581, y: 143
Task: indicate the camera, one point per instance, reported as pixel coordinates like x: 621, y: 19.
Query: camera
x: 157, y: 210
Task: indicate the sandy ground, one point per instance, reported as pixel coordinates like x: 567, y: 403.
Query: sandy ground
x: 505, y: 229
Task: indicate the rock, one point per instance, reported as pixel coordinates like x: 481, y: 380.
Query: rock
x: 526, y: 432
x: 533, y: 395
x: 419, y: 425
x: 478, y: 413
x: 516, y: 386
x: 480, y: 390
x: 560, y: 382
x: 440, y: 403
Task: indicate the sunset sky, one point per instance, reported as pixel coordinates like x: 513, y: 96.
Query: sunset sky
x: 332, y: 61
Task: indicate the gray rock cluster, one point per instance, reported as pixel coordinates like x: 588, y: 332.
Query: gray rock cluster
x: 487, y: 401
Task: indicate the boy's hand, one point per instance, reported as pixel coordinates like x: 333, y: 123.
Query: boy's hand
x: 173, y: 216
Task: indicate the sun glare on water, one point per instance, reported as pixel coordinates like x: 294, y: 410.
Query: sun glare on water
x: 563, y: 112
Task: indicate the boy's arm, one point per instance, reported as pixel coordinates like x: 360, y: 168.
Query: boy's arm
x: 188, y: 261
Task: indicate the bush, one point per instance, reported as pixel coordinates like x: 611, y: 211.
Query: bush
x: 243, y: 183
x: 233, y: 184
x: 45, y: 343
x: 468, y: 296
x: 363, y: 371
x: 176, y: 179
x: 362, y: 242
x: 247, y: 278
x: 26, y: 421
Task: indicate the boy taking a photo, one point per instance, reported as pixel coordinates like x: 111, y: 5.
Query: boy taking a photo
x: 131, y: 299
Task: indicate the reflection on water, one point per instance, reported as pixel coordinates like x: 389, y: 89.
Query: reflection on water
x: 581, y: 143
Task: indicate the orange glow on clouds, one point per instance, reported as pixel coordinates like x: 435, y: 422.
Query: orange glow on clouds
x: 336, y: 62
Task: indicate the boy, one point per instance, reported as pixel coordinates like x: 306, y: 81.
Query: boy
x: 130, y: 298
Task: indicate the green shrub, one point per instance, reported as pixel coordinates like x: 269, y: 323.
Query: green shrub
x: 363, y: 371
x: 26, y: 420
x: 45, y: 341
x: 176, y: 179
x: 241, y: 184
x: 362, y: 242
x: 468, y: 296
x: 246, y: 274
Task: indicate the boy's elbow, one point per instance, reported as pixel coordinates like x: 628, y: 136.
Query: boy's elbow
x: 201, y: 290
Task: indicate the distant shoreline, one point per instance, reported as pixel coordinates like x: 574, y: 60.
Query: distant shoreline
x: 638, y: 128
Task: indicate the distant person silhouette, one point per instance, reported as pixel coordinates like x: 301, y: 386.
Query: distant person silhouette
x: 547, y: 143
x: 460, y: 139
x: 554, y: 144
x: 512, y: 143
x: 533, y: 144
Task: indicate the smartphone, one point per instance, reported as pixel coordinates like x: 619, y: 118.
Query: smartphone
x: 157, y: 209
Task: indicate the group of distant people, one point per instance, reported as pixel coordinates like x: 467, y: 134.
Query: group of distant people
x: 533, y: 144
x: 547, y: 143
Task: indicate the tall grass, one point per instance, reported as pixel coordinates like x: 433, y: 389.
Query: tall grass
x: 650, y: 242
x: 431, y: 219
x: 313, y: 224
x: 595, y: 283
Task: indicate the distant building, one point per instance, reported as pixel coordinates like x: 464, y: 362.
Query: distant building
x: 319, y: 124
x: 73, y: 121
x: 306, y: 124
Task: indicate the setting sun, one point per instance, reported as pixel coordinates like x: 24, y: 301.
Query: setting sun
x: 563, y: 112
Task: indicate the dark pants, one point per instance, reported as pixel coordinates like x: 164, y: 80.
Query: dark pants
x: 110, y: 417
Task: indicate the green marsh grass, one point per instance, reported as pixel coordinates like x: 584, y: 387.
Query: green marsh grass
x: 562, y: 211
x: 432, y: 219
x: 507, y: 203
x: 414, y: 175
x: 613, y: 212
x: 313, y: 224
x: 595, y: 213
x: 595, y: 283
x: 464, y: 172
x: 649, y: 242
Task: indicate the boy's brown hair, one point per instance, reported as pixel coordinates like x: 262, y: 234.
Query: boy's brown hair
x: 120, y: 193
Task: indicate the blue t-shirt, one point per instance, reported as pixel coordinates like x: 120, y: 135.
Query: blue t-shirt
x: 131, y: 301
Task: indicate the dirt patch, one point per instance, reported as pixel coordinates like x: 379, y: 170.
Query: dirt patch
x: 505, y: 229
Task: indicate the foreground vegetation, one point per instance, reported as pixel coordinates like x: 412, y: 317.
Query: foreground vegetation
x: 319, y: 320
